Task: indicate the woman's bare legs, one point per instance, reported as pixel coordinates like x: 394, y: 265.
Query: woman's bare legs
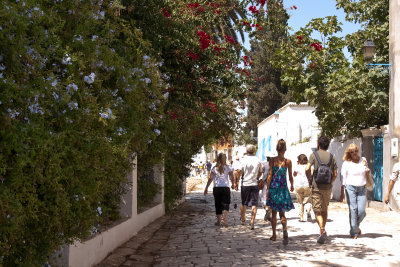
x: 273, y: 223
x: 284, y: 228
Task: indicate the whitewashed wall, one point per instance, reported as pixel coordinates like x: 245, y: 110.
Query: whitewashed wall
x: 295, y: 123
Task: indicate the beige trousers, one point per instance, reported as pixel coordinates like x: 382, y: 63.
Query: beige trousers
x: 303, y: 196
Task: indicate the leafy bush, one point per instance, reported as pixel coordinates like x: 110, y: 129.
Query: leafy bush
x: 87, y: 85
x: 75, y: 91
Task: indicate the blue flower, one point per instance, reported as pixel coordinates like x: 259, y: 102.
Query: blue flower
x: 90, y: 78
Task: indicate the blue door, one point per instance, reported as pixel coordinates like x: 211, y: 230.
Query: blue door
x: 378, y: 168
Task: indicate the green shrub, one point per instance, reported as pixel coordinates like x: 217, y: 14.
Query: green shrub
x: 84, y: 87
x: 75, y: 91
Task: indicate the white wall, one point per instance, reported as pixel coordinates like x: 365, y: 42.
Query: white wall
x: 200, y: 157
x: 295, y: 123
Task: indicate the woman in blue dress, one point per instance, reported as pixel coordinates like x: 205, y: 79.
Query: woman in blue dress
x: 279, y: 199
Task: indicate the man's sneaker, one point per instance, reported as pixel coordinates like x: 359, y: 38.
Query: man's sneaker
x: 322, y: 238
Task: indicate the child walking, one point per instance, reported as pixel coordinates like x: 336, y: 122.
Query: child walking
x: 301, y: 187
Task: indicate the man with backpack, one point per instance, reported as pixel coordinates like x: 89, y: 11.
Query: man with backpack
x: 320, y: 181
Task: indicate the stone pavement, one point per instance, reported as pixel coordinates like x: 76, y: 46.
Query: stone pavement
x: 188, y: 237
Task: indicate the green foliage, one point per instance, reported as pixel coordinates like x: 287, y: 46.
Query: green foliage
x: 203, y: 86
x: 265, y: 90
x: 75, y: 91
x: 347, y: 96
x: 87, y: 85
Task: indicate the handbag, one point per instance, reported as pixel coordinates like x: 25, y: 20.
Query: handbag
x: 370, y: 179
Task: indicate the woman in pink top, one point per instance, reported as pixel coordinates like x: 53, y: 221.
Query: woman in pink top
x: 354, y: 171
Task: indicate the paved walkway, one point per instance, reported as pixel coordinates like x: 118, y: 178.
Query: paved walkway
x: 188, y: 237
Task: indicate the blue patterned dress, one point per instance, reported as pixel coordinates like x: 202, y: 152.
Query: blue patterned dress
x: 279, y: 198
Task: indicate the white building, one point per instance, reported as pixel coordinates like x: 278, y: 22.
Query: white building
x: 296, y: 124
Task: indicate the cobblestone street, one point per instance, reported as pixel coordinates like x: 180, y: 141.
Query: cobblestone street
x: 188, y: 237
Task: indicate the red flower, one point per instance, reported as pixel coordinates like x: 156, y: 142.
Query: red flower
x: 253, y: 9
x: 193, y: 5
x: 172, y: 114
x: 299, y: 37
x: 216, y: 48
x: 229, y: 39
x: 317, y: 46
x: 295, y: 7
x: 245, y: 23
x: 243, y: 104
x: 167, y: 14
x: 261, y: 2
x: 204, y: 40
x: 193, y: 55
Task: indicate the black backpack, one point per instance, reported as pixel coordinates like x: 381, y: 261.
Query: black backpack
x: 323, y: 174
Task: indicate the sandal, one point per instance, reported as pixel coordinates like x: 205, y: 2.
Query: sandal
x: 224, y: 224
x: 273, y: 238
x: 285, y: 238
x: 267, y: 216
x: 242, y: 222
x: 252, y: 226
x: 322, y: 238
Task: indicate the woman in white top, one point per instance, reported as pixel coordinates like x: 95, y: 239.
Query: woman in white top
x: 354, y: 179
x: 301, y: 186
x: 221, y: 174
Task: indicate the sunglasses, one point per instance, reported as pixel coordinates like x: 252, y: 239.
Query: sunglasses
x: 353, y: 151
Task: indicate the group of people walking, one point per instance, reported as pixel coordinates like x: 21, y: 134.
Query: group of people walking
x: 311, y: 180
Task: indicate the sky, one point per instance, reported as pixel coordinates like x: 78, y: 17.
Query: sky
x: 310, y: 9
